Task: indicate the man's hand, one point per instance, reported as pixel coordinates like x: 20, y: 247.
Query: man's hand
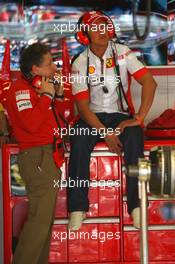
x: 47, y: 86
x: 113, y: 143
x: 128, y: 123
x: 58, y: 84
x: 59, y: 89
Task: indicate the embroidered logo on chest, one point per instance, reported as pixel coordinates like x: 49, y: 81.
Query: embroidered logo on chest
x: 110, y: 63
x: 22, y: 95
x: 91, y: 69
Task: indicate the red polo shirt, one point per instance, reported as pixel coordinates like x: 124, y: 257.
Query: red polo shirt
x: 30, y: 115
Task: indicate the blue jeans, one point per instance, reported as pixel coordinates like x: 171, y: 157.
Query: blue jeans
x: 81, y: 147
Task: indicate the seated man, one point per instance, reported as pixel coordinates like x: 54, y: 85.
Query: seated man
x: 100, y: 81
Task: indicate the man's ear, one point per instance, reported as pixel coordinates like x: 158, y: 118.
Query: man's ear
x: 35, y: 70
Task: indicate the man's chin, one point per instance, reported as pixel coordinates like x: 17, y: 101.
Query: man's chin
x: 103, y: 42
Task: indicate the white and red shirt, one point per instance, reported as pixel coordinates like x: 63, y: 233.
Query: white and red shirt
x: 129, y: 66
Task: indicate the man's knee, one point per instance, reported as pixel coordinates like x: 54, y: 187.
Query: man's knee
x: 134, y: 134
x: 83, y: 142
x: 133, y: 145
x: 79, y: 141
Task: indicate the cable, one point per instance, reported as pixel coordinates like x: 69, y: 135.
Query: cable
x: 135, y: 26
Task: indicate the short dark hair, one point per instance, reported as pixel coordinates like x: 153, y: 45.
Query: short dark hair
x: 32, y: 55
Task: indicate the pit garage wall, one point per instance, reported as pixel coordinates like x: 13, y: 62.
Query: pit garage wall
x: 165, y: 93
x: 1, y: 213
x: 165, y: 98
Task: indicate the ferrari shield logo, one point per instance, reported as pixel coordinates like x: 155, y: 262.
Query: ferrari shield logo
x: 109, y: 63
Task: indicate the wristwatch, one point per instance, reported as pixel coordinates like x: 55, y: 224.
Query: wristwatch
x: 48, y: 94
x: 59, y: 96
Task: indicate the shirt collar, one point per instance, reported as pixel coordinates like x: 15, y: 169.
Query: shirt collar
x: 106, y: 54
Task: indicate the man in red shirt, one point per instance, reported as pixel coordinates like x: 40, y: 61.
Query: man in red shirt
x: 33, y: 122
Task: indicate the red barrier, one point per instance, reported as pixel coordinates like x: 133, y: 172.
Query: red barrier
x: 111, y: 238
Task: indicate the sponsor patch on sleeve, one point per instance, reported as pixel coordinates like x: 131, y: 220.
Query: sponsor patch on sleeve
x: 23, y: 105
x: 128, y: 52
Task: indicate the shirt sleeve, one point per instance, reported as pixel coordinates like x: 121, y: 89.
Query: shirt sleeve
x: 79, y: 81
x: 134, y: 66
